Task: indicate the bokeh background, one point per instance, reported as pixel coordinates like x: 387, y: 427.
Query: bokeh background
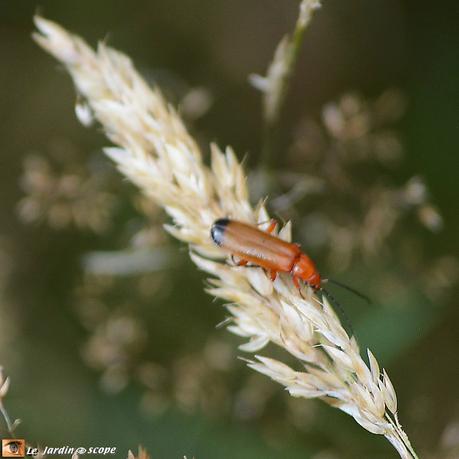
x: 105, y: 329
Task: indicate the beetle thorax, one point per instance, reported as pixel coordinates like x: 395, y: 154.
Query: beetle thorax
x: 305, y: 269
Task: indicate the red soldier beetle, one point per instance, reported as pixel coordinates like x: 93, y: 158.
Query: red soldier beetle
x: 251, y: 245
x: 261, y: 248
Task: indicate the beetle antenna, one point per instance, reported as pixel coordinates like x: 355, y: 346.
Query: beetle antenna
x: 352, y: 290
x: 341, y: 310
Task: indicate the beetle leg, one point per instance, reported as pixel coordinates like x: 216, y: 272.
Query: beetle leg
x: 238, y: 262
x: 296, y: 282
x: 273, y: 275
x: 271, y: 226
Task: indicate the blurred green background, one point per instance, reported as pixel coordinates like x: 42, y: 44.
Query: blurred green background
x: 49, y: 331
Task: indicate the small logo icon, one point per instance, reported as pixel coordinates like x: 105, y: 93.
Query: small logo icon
x: 12, y: 447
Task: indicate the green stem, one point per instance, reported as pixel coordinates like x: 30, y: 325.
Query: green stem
x: 271, y: 118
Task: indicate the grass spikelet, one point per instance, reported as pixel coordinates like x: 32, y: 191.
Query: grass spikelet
x: 154, y: 150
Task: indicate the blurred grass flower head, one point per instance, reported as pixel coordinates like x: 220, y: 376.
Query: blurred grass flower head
x: 63, y: 194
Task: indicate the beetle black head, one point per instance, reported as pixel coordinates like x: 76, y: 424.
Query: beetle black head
x: 218, y: 230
